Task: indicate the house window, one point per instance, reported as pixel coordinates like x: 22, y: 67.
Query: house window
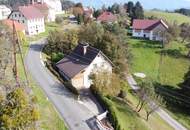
x: 19, y: 15
x: 22, y: 21
x: 15, y: 15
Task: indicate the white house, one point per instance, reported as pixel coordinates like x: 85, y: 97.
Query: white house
x: 31, y: 18
x: 149, y: 29
x: 47, y: 11
x: 54, y: 4
x: 81, y: 63
x: 4, y: 12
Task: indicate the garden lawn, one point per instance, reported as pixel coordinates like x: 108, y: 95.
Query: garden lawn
x: 169, y: 17
x: 49, y: 118
x: 147, y: 59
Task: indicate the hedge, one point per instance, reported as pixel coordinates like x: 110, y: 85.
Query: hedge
x: 107, y: 105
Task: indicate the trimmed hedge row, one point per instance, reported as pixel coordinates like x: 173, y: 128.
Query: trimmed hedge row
x: 107, y: 105
x: 53, y: 69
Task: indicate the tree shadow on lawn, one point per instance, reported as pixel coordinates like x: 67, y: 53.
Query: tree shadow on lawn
x: 175, y: 100
x: 175, y: 53
x: 147, y: 44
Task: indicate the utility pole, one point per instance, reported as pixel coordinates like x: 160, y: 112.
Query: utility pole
x: 16, y: 43
x: 15, y: 72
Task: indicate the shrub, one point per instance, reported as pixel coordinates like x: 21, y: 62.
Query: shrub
x: 59, y: 19
x: 107, y: 105
x: 122, y: 94
x: 55, y: 57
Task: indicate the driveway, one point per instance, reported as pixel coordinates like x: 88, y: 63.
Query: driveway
x: 78, y: 115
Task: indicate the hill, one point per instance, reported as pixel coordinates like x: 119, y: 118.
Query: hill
x: 169, y: 17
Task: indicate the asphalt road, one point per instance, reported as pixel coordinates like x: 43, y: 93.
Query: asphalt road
x: 78, y: 115
x: 162, y: 113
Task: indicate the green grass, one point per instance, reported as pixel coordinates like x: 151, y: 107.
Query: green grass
x: 49, y: 118
x: 129, y: 119
x: 171, y: 70
x: 146, y: 59
x: 169, y: 17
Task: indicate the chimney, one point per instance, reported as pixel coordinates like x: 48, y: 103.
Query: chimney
x: 85, y: 46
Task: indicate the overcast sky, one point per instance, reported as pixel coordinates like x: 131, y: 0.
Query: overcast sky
x: 148, y: 4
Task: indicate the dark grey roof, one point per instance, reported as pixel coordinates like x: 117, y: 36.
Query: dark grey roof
x: 75, y: 62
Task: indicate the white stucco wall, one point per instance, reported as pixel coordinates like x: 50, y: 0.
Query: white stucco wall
x: 54, y: 4
x: 4, y: 12
x: 32, y: 26
x: 99, y: 63
x: 157, y: 32
x: 141, y: 34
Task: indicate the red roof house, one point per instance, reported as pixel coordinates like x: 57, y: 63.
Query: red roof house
x: 147, y: 24
x: 30, y: 12
x: 107, y: 17
x: 30, y: 17
x: 150, y: 29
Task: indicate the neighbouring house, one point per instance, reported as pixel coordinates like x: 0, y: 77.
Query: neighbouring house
x: 149, y: 29
x: 47, y: 11
x: 81, y: 63
x: 88, y: 12
x: 18, y: 26
x: 4, y: 12
x: 107, y: 17
x: 30, y: 17
x: 54, y: 4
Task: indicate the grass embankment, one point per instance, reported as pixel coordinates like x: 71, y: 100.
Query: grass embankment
x: 53, y: 26
x: 169, y: 17
x: 169, y: 71
x: 129, y: 119
x: 49, y: 118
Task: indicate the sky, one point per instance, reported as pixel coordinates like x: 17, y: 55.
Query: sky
x: 147, y: 4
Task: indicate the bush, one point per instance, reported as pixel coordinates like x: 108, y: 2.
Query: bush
x: 55, y: 57
x: 59, y: 19
x: 122, y: 94
x: 107, y: 105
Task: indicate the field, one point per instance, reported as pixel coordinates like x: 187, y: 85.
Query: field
x: 169, y: 17
x: 49, y: 118
x: 168, y: 70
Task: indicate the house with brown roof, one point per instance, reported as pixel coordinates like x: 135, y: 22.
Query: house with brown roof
x: 81, y: 63
x: 30, y: 17
x: 107, y: 17
x: 149, y: 29
x: 18, y: 26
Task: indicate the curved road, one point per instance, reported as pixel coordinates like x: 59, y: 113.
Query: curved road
x: 78, y: 115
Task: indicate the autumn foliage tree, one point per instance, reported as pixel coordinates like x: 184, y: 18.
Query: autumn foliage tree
x: 106, y: 83
x: 18, y: 110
